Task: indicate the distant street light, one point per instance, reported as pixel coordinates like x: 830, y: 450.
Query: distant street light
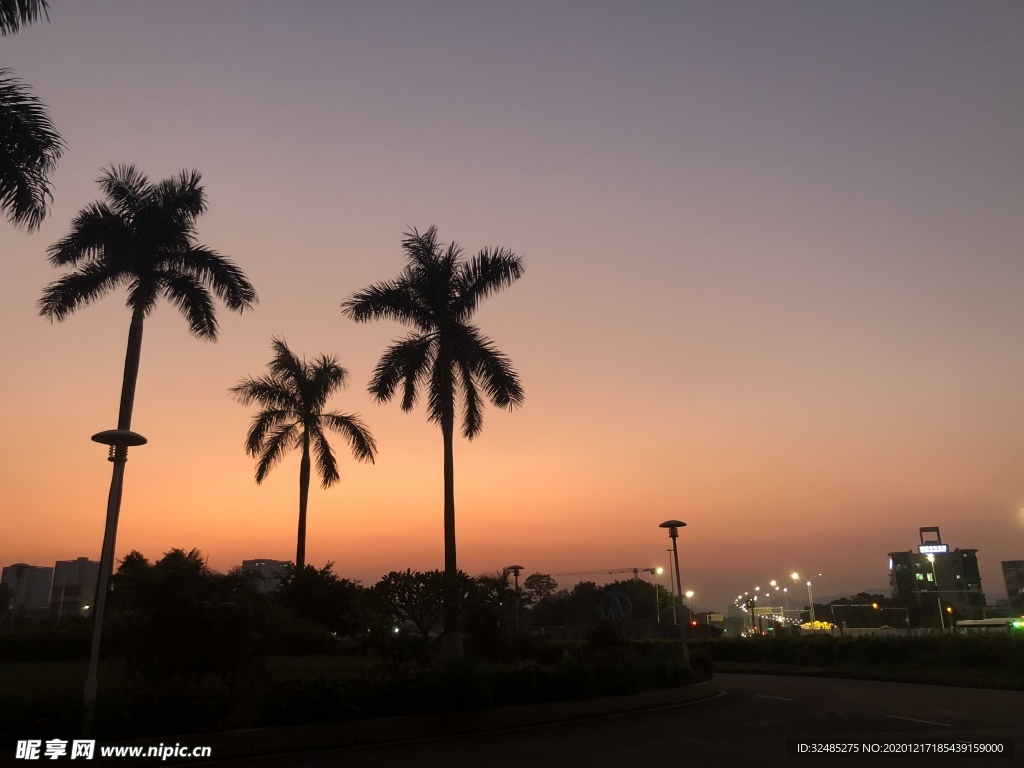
x: 673, y: 527
x: 515, y: 570
x: 119, y: 441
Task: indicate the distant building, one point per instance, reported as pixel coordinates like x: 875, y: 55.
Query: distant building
x: 30, y: 588
x: 268, y: 573
x: 1013, y: 575
x: 950, y: 576
x: 74, y: 587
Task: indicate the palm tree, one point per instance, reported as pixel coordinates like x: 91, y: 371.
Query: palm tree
x: 29, y: 144
x: 293, y: 397
x: 142, y: 237
x: 445, y: 355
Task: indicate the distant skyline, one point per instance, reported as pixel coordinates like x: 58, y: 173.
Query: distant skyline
x: 773, y: 280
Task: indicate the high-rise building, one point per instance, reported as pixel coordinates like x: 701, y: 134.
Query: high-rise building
x: 1013, y: 575
x: 936, y: 573
x: 268, y: 572
x: 74, y: 587
x: 30, y: 588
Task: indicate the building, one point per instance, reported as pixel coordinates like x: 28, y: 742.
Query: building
x: 267, y: 573
x: 30, y: 589
x: 74, y: 587
x: 934, y: 573
x: 1013, y: 575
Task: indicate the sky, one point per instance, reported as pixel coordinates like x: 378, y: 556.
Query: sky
x: 772, y: 280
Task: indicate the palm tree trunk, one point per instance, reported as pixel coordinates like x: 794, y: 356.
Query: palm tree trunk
x: 300, y: 552
x: 451, y: 638
x: 131, y: 370
x: 120, y: 456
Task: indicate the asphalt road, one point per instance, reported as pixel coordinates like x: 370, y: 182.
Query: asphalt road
x: 748, y: 722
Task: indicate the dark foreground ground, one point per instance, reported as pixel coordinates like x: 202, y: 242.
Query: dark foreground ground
x: 750, y: 721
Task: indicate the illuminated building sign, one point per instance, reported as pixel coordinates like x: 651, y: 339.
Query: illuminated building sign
x: 933, y: 549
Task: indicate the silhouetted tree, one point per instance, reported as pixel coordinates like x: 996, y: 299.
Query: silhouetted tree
x: 175, y: 618
x: 29, y: 144
x: 537, y: 587
x: 293, y: 397
x: 436, y: 294
x: 143, y: 238
x: 321, y: 596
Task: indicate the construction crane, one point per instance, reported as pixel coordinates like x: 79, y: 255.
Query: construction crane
x: 634, y: 571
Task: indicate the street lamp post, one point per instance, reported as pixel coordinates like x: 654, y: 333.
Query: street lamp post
x: 810, y: 593
x: 119, y: 441
x: 671, y: 587
x: 689, y: 609
x: 656, y: 572
x: 938, y: 600
x: 515, y: 570
x: 673, y: 527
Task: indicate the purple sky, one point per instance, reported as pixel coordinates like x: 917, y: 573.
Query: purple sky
x: 773, y: 278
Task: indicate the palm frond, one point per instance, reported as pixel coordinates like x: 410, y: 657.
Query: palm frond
x: 287, y: 367
x: 472, y: 414
x: 488, y: 272
x: 65, y: 295
x: 127, y: 188
x: 326, y: 376
x: 441, y: 390
x: 95, y: 232
x: 392, y: 300
x: 262, y: 423
x: 182, y: 197
x: 422, y: 250
x: 326, y: 463
x: 187, y: 294
x: 492, y: 368
x: 355, y: 432
x: 405, y: 361
x: 268, y: 392
x: 31, y: 148
x: 216, y: 273
x: 284, y: 437
x: 14, y: 14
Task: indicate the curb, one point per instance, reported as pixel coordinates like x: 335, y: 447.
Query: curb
x: 265, y: 742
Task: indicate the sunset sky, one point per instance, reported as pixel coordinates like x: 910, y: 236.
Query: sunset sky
x: 774, y: 280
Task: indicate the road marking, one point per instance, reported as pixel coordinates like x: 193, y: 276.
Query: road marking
x: 915, y: 720
x: 777, y: 698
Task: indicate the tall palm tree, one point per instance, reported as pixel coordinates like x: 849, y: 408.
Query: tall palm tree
x: 29, y: 144
x: 445, y: 355
x: 292, y: 397
x: 143, y: 238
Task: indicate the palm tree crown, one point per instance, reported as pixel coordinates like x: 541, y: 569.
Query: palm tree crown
x: 143, y: 237
x: 29, y: 150
x: 292, y: 399
x: 436, y: 294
